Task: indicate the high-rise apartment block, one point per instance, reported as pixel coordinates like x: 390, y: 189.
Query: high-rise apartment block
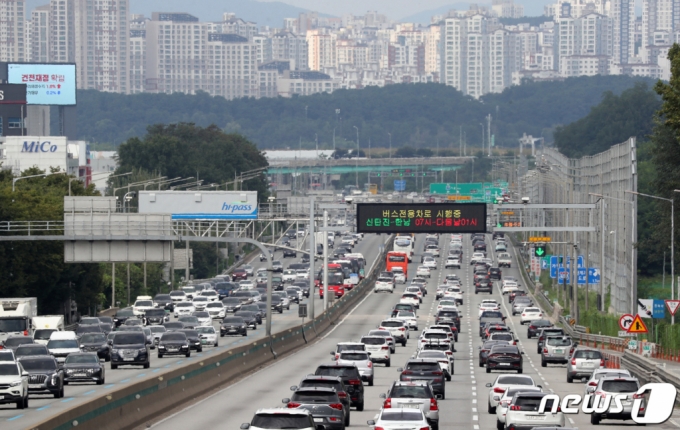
x: 12, y: 30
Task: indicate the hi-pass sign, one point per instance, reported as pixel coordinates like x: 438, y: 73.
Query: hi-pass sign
x: 421, y: 218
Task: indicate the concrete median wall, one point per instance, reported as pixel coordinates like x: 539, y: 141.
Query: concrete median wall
x: 141, y: 402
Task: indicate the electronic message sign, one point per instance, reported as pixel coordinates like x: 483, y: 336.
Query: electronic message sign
x: 47, y: 84
x: 421, y: 218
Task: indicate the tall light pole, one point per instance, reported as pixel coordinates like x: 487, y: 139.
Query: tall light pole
x: 334, y: 139
x: 482, y: 136
x: 356, y: 159
x: 390, y: 135
x: 15, y: 180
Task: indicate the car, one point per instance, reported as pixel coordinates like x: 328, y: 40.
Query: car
x: 263, y: 257
x: 277, y: 266
x: 178, y: 296
x: 249, y: 317
x: 435, y: 336
x: 504, y: 336
x: 415, y: 395
x: 362, y: 360
x: 501, y: 247
x: 399, y: 276
x: 289, y: 275
x: 502, y: 383
x: 234, y: 326
x: 423, y: 271
x: 448, y: 315
x: 544, y: 333
x: 333, y: 382
x: 280, y: 301
x: 193, y: 337
x: 204, y: 318
x: 432, y: 249
x: 199, y: 302
x: 44, y: 375
x: 84, y: 367
x: 601, y: 373
x: 255, y: 309
x: 452, y: 262
x: 384, y: 284
x: 61, y: 344
x: 13, y: 384
x: 140, y: 307
x: 615, y: 386
x: 493, y: 328
x: 156, y: 332
x: 239, y: 274
x: 378, y: 348
x: 232, y: 304
x: 410, y: 298
x: 504, y: 403
x: 504, y: 357
x: 430, y: 263
x: 495, y: 273
x: 520, y: 304
x: 476, y: 257
x: 208, y: 336
x: 537, y: 325
x: 347, y: 346
x: 530, y: 314
x: 31, y: 349
x: 396, y: 418
x: 410, y: 318
x: 211, y: 295
x: 450, y: 329
x: 583, y: 362
x: 445, y: 359
x: 483, y: 286
x: 163, y: 301
x: 96, y: 343
x: 487, y: 305
x: 522, y: 412
x: 184, y: 308
x: 350, y: 377
x: 424, y: 369
x: 446, y: 303
x: 415, y: 289
x: 275, y: 418
x: 287, y: 252
x: 454, y: 293
x: 486, y: 348
x: 508, y: 286
x: 398, y: 330
x: 14, y: 342
x: 557, y: 349
x: 129, y: 348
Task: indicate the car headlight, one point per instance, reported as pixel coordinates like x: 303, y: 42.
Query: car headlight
x: 15, y: 383
x: 197, y: 343
x: 114, y: 351
x: 142, y: 350
x: 243, y: 326
x: 161, y: 347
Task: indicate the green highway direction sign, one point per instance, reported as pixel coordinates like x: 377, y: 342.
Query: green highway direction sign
x: 479, y: 191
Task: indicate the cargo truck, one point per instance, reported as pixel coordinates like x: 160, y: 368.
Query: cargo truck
x: 16, y: 316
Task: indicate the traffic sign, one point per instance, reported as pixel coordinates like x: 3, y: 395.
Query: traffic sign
x: 623, y: 333
x: 637, y: 326
x: 672, y: 306
x: 553, y: 266
x: 539, y: 239
x: 625, y: 321
x: 564, y: 274
x: 593, y: 275
x: 579, y: 262
x: 545, y: 262
x: 539, y: 250
x: 581, y: 275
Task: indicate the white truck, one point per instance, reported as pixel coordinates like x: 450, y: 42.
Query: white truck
x: 45, y: 325
x: 16, y: 316
x: 504, y: 260
x: 319, y: 237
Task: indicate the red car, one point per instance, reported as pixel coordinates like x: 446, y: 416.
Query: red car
x: 239, y: 274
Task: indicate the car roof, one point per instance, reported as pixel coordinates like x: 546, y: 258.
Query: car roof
x: 422, y: 360
x: 286, y: 411
x: 318, y: 389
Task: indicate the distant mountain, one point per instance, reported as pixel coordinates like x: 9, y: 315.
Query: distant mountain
x: 425, y: 16
x: 269, y: 13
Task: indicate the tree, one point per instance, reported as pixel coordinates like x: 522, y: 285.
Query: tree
x: 405, y: 152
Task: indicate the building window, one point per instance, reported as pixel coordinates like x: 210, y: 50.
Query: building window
x: 13, y: 122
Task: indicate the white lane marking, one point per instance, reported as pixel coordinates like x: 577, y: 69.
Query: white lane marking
x: 475, y: 427
x: 675, y: 423
x: 474, y: 400
x: 474, y: 410
x: 475, y: 418
x: 572, y: 421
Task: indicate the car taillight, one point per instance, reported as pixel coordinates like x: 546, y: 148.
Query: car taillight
x: 407, y: 372
x: 379, y: 428
x: 515, y: 408
x: 390, y: 339
x: 499, y: 390
x: 355, y: 382
x: 540, y: 315
x: 385, y: 347
x: 438, y: 373
x: 449, y: 353
x: 545, y: 350
x: 337, y: 406
x: 638, y: 396
x: 292, y: 405
x: 433, y: 404
x: 424, y: 428
x: 387, y: 404
x: 571, y: 351
x: 532, y: 327
x: 370, y: 364
x: 382, y: 328
x: 573, y: 362
x: 524, y: 315
x: 402, y: 329
x: 342, y: 394
x: 600, y: 393
x: 602, y: 362
x: 592, y: 383
x: 25, y: 332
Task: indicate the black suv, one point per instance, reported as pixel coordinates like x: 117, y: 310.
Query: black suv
x: 164, y: 301
x: 122, y: 315
x: 484, y: 286
x: 173, y: 343
x: 194, y: 339
x: 96, y: 342
x: 350, y: 377
x: 324, y: 405
x: 289, y: 253
x: 495, y: 273
x: 155, y: 316
x: 130, y: 348
x: 424, y: 369
x: 443, y: 316
x: 334, y: 382
x: 44, y: 375
x: 536, y: 326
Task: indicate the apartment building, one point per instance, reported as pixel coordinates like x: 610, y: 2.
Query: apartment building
x: 321, y: 49
x: 288, y: 46
x: 507, y: 9
x: 39, y: 35
x: 12, y: 30
x: 137, y: 71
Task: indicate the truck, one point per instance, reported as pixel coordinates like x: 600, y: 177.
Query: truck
x: 504, y: 259
x: 45, y: 325
x: 319, y: 237
x: 16, y: 316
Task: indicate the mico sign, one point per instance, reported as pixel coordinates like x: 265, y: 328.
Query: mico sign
x: 38, y: 147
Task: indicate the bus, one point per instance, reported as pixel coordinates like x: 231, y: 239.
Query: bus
x: 397, y: 259
x: 332, y: 269
x: 404, y: 244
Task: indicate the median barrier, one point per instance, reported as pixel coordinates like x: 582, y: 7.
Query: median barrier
x: 139, y: 403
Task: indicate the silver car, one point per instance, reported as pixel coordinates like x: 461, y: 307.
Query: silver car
x: 616, y: 386
x: 557, y: 349
x: 504, y: 402
x: 362, y: 360
x: 519, y: 304
x: 414, y: 395
x: 603, y: 373
x: 583, y: 363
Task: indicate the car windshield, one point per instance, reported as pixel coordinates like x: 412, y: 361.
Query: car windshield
x: 143, y: 303
x: 43, y: 334
x: 502, y: 336
x: 62, y: 344
x: 353, y: 356
x: 16, y: 341
x: 559, y: 341
x: 188, y: 319
x: 206, y: 330
x: 281, y: 421
x: 231, y: 301
x: 401, y: 416
x: 157, y: 329
x: 155, y: 313
x: 588, y: 355
x: 350, y: 347
x: 200, y: 299
x: 531, y: 403
x: 191, y: 333
x: 515, y: 380
x: 233, y: 320
x: 410, y: 391
x: 201, y: 314
x: 436, y: 336
x: 373, y: 340
x: 622, y: 386
x: 172, y: 336
x: 422, y: 366
x: 38, y: 365
x: 337, y: 371
x: 177, y: 294
x: 491, y: 314
x: 9, y: 369
x: 214, y: 305
x: 81, y: 359
x: 184, y: 305
x: 93, y: 338
x: 129, y: 339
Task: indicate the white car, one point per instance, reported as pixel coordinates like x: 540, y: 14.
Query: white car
x: 430, y: 263
x: 409, y: 318
x: 204, y: 318
x: 440, y: 291
x: 184, y: 308
x: 245, y: 285
x: 454, y: 293
x: 502, y: 383
x: 446, y: 303
x: 178, y: 296
x: 399, y: 275
x: 509, y: 286
x: 488, y: 306
x: 476, y: 257
x: 212, y: 295
x: 289, y: 275
x: 504, y: 402
x: 208, y: 335
x: 415, y: 290
x: 302, y: 275
x: 433, y: 249
x: 200, y: 302
x: 456, y: 236
x: 347, y: 240
x: 14, y: 384
x: 434, y: 336
x: 423, y: 271
x: 216, y: 309
x: 384, y: 284
x: 530, y: 314
x: 410, y: 298
x: 523, y: 412
x: 399, y: 418
x: 141, y: 306
x: 379, y: 349
x: 452, y: 262
x: 270, y: 418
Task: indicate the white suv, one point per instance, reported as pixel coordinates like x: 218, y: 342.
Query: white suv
x: 275, y: 418
x: 13, y: 384
x: 523, y: 412
x: 379, y: 349
x: 384, y: 284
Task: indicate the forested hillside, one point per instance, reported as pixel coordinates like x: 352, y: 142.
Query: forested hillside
x: 420, y: 115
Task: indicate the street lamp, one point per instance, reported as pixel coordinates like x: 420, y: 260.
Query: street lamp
x: 15, y: 180
x: 127, y: 198
x: 356, y: 159
x: 390, y: 135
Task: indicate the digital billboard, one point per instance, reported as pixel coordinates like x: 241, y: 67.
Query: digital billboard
x: 46, y: 84
x: 421, y: 218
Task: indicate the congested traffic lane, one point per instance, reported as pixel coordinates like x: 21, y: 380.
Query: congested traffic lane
x: 42, y: 407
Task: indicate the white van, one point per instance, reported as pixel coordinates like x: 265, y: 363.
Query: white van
x: 45, y: 325
x: 63, y: 343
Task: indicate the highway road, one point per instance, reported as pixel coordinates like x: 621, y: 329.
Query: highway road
x: 42, y: 406
x: 465, y: 406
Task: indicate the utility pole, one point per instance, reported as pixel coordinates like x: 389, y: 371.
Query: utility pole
x: 113, y: 285
x: 488, y: 134
x: 312, y: 254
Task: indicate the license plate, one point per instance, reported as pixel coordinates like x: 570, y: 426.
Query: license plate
x: 173, y: 349
x: 318, y: 420
x: 79, y: 375
x: 503, y: 364
x: 410, y: 406
x: 626, y: 402
x: 586, y: 364
x: 535, y: 417
x: 203, y: 341
x: 559, y: 351
x: 128, y: 359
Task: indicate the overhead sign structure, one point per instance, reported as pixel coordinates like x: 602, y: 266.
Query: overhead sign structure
x: 421, y: 218
x: 540, y: 239
x: 625, y: 321
x: 46, y: 84
x: 672, y: 306
x: 637, y: 326
x: 200, y: 204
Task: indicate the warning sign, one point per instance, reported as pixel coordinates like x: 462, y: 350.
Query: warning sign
x: 637, y: 326
x: 672, y: 306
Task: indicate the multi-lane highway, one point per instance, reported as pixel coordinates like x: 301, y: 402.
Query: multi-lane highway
x: 43, y: 406
x: 465, y: 406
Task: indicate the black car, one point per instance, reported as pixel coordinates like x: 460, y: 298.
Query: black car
x: 84, y: 329
x: 123, y: 315
x: 156, y: 316
x: 174, y: 343
x: 174, y: 325
x: 495, y: 273
x: 486, y: 348
x: 350, y: 377
x: 490, y: 317
x: 30, y: 349
x: 424, y: 369
x: 106, y: 328
x: 289, y: 253
x: 83, y: 367
x: 14, y: 342
x: 249, y: 317
x: 259, y: 314
x: 129, y: 348
x: 233, y: 326
x: 164, y: 301
x: 447, y: 315
x: 44, y: 375
x: 277, y: 283
x: 333, y: 382
x: 514, y: 294
x: 96, y: 342
x: 232, y: 304
x: 536, y: 326
x: 324, y: 405
x: 106, y: 320
x: 263, y: 307
x: 193, y: 337
x: 484, y: 286
x: 304, y: 285
x: 244, y: 296
x: 504, y: 357
x: 278, y: 300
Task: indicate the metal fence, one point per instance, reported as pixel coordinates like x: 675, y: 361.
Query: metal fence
x: 558, y: 179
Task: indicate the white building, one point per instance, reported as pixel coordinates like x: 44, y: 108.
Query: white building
x: 12, y: 30
x: 137, y: 68
x: 39, y: 40
x: 507, y: 9
x: 305, y: 83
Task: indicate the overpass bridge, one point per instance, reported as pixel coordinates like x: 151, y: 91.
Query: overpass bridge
x: 352, y: 165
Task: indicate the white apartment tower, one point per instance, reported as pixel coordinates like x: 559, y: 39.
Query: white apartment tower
x: 287, y: 46
x: 660, y: 27
x: 623, y: 15
x: 507, y: 9
x: 477, y: 58
x: 40, y: 35
x: 62, y: 27
x: 12, y: 30
x: 584, y: 45
x: 137, y: 69
x: 453, y: 57
x: 321, y: 49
